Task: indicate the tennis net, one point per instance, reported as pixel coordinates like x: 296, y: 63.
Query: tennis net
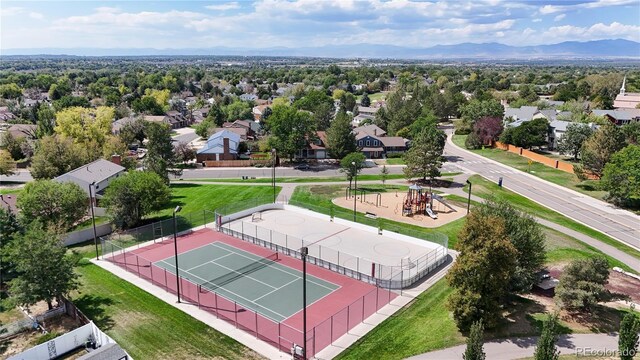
x: 239, y: 273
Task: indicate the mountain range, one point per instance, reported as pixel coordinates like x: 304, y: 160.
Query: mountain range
x: 565, y: 50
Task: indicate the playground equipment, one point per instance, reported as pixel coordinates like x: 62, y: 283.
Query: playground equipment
x: 349, y: 192
x: 415, y: 202
x: 441, y: 200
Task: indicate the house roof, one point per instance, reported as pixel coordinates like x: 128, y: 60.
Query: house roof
x: 393, y: 141
x: 22, y: 130
x: 619, y: 114
x: 363, y: 135
x: 322, y: 135
x: 367, y: 109
x: 97, y: 171
x: 627, y: 100
x: 370, y: 129
x: 215, y: 143
x: 238, y: 130
x: 224, y: 133
x: 154, y: 118
x: 559, y: 125
x: 524, y: 113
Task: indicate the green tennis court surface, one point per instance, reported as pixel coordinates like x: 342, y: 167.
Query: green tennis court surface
x: 255, y: 282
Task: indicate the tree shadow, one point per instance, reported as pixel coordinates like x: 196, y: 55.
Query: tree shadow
x: 601, y: 319
x: 94, y: 307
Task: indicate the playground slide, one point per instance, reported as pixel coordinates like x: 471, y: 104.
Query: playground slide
x: 441, y: 199
x: 431, y: 214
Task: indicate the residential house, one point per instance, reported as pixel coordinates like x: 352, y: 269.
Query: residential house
x: 625, y: 100
x: 223, y: 145
x: 374, y: 143
x: 316, y: 148
x: 248, y: 97
x: 117, y: 125
x: 619, y: 116
x: 368, y: 111
x: 242, y: 131
x: 100, y: 172
x: 23, y: 130
x: 5, y: 114
x: 557, y: 128
x: 252, y: 127
x: 520, y: 115
x: 258, y: 111
x: 177, y: 119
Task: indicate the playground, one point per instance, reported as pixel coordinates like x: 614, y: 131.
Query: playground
x: 416, y: 206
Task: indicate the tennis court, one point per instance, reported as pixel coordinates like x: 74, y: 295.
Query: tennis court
x: 256, y: 282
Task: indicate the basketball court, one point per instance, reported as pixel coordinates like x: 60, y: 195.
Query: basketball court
x: 352, y: 246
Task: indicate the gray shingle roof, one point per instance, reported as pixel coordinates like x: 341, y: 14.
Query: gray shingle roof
x: 97, y: 171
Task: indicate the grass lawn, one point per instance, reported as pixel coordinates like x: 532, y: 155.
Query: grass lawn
x: 145, y: 326
x: 374, y: 97
x: 267, y: 180
x: 194, y: 198
x: 485, y: 189
x: 425, y: 325
x: 550, y: 174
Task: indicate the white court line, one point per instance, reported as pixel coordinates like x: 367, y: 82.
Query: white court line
x: 241, y: 297
x: 296, y: 275
x: 218, y: 258
x: 272, y: 291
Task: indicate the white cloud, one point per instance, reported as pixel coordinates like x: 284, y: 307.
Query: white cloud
x: 550, y: 9
x: 598, y: 31
x: 36, y: 15
x: 536, y: 20
x: 559, y: 17
x: 224, y: 7
x: 11, y: 11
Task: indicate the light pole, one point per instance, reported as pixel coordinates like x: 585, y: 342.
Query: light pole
x: 304, y: 253
x: 273, y: 173
x: 469, y: 200
x: 175, y: 247
x: 93, y: 217
x: 355, y: 194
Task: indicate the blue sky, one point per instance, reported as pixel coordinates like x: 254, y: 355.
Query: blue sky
x: 270, y: 23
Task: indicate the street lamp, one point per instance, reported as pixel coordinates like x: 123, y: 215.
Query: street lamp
x: 355, y: 194
x: 175, y: 248
x: 469, y: 200
x: 304, y: 252
x: 93, y: 217
x: 273, y: 174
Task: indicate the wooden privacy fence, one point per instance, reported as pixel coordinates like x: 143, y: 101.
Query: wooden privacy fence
x: 236, y: 163
x: 556, y: 164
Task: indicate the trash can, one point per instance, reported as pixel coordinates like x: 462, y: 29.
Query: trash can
x: 500, y: 181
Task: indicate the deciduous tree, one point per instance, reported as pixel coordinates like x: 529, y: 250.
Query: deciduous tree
x: 347, y: 165
x: 55, y: 156
x: 480, y: 276
x: 7, y: 164
x: 134, y: 195
x: 52, y: 203
x: 572, y: 140
x: 289, y: 129
x: 161, y: 157
x: 628, y: 336
x: 599, y: 147
x: 474, y: 350
x: 546, y: 347
x: 621, y: 176
x: 44, y: 271
x: 340, y: 138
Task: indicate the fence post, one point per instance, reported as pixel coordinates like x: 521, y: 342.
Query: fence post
x: 215, y: 304
x: 348, y: 310
x: 138, y: 264
x: 165, y: 280
x: 198, y: 290
x: 235, y: 308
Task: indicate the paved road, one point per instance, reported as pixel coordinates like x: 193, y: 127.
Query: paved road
x: 186, y: 135
x: 620, y: 224
x: 603, y: 345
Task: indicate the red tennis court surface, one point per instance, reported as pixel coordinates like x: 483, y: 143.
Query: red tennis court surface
x: 328, y: 318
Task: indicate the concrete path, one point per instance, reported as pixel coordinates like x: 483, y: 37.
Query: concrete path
x: 518, y: 348
x: 619, y: 224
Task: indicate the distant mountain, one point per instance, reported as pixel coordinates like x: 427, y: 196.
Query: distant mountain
x: 565, y: 50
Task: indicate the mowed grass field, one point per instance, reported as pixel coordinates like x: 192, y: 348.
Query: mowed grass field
x: 145, y: 326
x: 589, y: 187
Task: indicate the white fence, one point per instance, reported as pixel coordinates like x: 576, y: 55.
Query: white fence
x: 66, y: 343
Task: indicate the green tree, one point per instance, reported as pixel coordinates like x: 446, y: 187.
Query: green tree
x: 161, y: 158
x: 347, y: 165
x: 477, y: 109
x: 621, y: 176
x: 13, y: 145
x: 216, y: 116
x: 133, y: 131
x: 529, y: 134
x: 238, y: 110
x: 546, y: 347
x: 474, y: 350
x: 312, y: 100
x: 289, y: 129
x: 572, y: 140
x: 598, y: 149
x: 10, y: 91
x: 85, y: 125
x: 424, y: 158
x: 55, y: 156
x: 44, y: 271
x: 628, y: 336
x: 322, y: 116
x: 134, y: 195
x: 631, y: 132
x: 52, y: 203
x: 204, y: 128
x: 480, y: 276
x: 340, y: 137
x: 11, y: 229
x: 582, y: 284
x: 384, y: 173
x: 526, y: 236
x: 365, y: 101
x: 7, y: 164
x: 147, y: 105
x: 46, y: 121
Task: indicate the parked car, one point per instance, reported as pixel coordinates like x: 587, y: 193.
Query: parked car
x: 303, y: 166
